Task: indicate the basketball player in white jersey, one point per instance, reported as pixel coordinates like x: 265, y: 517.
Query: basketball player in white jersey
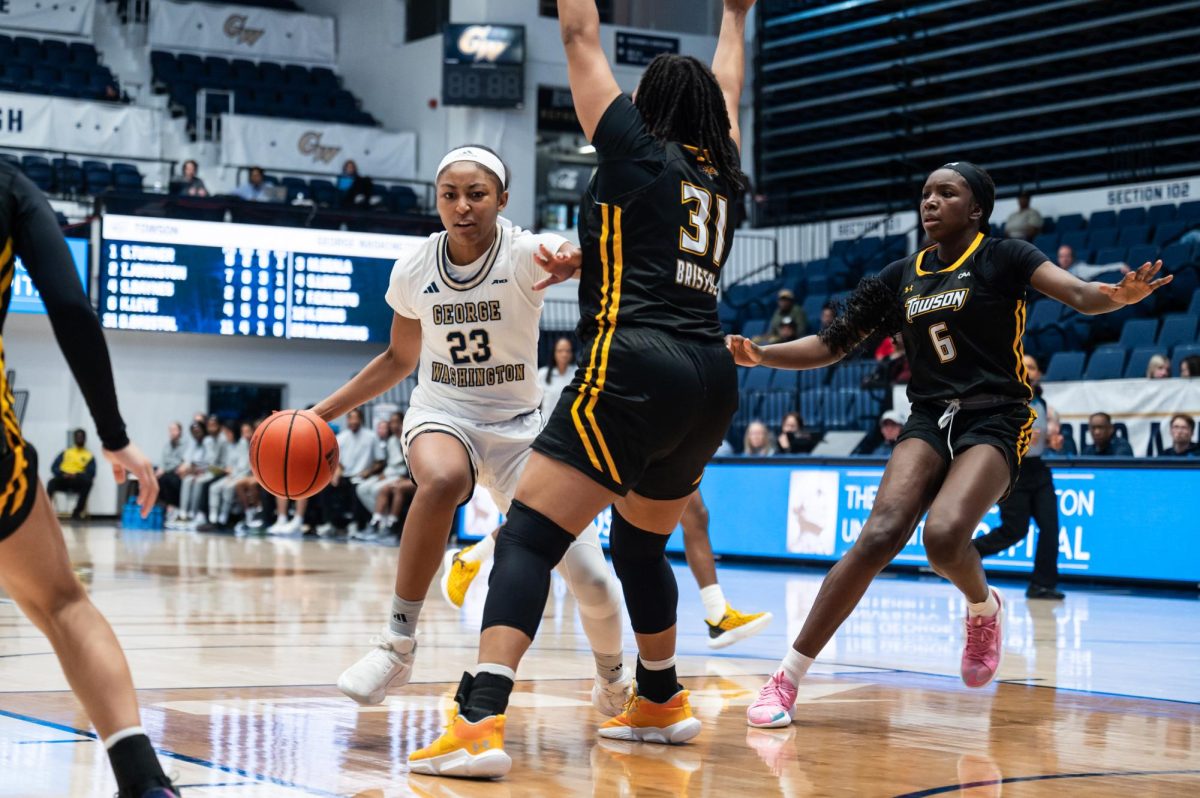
x: 467, y: 306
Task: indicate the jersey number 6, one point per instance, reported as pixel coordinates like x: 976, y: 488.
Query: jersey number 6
x: 695, y: 241
x: 944, y: 343
x: 458, y: 347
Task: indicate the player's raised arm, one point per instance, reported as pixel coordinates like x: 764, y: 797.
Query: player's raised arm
x: 593, y: 86
x: 1094, y: 298
x: 381, y: 374
x: 729, y: 61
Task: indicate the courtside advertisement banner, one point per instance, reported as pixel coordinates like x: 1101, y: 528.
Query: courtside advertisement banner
x: 72, y: 18
x: 785, y: 510
x: 108, y: 130
x: 243, y: 32
x: 316, y: 146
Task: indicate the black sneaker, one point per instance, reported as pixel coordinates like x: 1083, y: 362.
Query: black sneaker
x: 1040, y: 592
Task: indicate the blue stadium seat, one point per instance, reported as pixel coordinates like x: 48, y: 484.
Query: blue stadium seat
x: 758, y: 380
x: 1102, y: 219
x: 1178, y: 328
x: 1139, y: 359
x: 1145, y: 253
x: 82, y: 54
x: 1160, y: 214
x: 840, y: 249
x: 1047, y: 244
x: 1176, y: 255
x: 40, y: 174
x: 1189, y: 211
x: 1101, y: 237
x: 1132, y: 236
x: 1070, y: 222
x: 127, y: 181
x: 812, y: 309
x: 812, y: 406
x: 754, y: 327
x: 783, y: 380
x: 1194, y: 307
x: 1168, y: 232
x: 838, y: 299
x: 404, y: 199
x: 1130, y: 217
x: 851, y: 373
x: 774, y: 405
x: 816, y: 284
x: 1065, y: 366
x: 1182, y: 351
x: 814, y: 378
x: 840, y: 407
x: 1044, y: 313
x: 1076, y: 240
x: 97, y: 179
x: 1138, y: 332
x: 793, y: 275
x: 1108, y: 255
x: 1106, y: 363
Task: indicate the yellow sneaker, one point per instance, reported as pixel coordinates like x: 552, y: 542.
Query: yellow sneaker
x: 735, y: 626
x: 457, y: 575
x: 465, y: 750
x: 648, y: 722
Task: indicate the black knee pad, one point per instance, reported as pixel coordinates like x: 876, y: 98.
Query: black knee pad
x: 527, y: 549
x: 640, y: 560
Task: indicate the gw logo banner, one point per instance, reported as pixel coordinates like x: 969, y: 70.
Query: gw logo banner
x: 310, y: 144
x: 477, y: 42
x: 919, y: 305
x: 235, y: 28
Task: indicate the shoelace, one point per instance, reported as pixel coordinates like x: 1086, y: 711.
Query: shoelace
x: 774, y: 689
x: 630, y: 704
x: 980, y: 637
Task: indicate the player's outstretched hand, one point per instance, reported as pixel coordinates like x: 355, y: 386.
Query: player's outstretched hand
x: 1136, y: 285
x: 130, y: 460
x: 560, y: 266
x: 745, y: 352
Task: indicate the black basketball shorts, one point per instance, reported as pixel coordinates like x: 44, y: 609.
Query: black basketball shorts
x: 1008, y: 427
x: 645, y: 413
x: 18, y: 485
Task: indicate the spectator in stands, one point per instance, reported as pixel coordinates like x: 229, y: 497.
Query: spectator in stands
x: 169, y: 466
x: 757, y: 441
x: 793, y: 438
x: 1190, y: 366
x: 788, y: 331
x: 893, y: 367
x: 366, y: 488
x: 890, y: 425
x: 1104, y: 443
x: 1086, y: 271
x: 785, y: 308
x: 393, y: 492
x: 1183, y: 429
x: 1057, y: 444
x: 353, y: 189
x: 555, y: 376
x: 189, y: 184
x: 196, y: 460
x: 223, y: 491
x: 356, y: 462
x: 1025, y: 222
x: 256, y: 190
x: 828, y: 314
x: 1159, y: 367
x: 74, y: 470
x: 246, y: 489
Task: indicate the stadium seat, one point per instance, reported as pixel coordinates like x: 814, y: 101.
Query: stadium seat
x: 1138, y: 332
x: 404, y: 199
x: 1131, y: 217
x: 1160, y: 214
x: 1189, y: 211
x: 1180, y: 352
x: 1145, y: 253
x: 1106, y: 363
x: 1194, y: 307
x: 1070, y: 222
x: 1109, y: 255
x: 1076, y: 240
x: 754, y: 327
x: 1065, y: 366
x: 1102, y: 219
x: 1168, y: 232
x: 97, y: 179
x: 1177, y: 328
x: 1101, y: 237
x: 840, y: 407
x: 1139, y: 359
x: 814, y: 378
x: 812, y: 406
x: 1132, y: 236
x: 1176, y: 255
x: 757, y: 380
x: 1047, y: 244
x: 1044, y: 313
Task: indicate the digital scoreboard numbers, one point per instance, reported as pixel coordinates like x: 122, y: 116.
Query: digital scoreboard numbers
x: 484, y: 65
x: 246, y: 280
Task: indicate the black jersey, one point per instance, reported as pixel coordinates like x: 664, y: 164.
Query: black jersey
x: 963, y: 321
x: 29, y: 229
x: 654, y: 229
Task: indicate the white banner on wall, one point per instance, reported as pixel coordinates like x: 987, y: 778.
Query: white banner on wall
x: 243, y: 32
x: 70, y: 17
x: 316, y: 146
x: 1140, y: 404
x: 78, y: 127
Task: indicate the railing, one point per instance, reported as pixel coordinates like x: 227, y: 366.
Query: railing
x: 426, y: 190
x: 754, y: 257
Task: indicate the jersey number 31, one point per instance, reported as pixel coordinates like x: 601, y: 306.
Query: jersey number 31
x: 695, y: 240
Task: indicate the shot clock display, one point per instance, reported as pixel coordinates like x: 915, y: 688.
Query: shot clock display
x: 484, y: 65
x: 237, y: 279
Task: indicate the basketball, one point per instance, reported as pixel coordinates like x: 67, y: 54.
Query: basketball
x: 293, y: 454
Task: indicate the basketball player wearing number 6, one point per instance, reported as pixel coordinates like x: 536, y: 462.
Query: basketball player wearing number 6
x: 960, y: 306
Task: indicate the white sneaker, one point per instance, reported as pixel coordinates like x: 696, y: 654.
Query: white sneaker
x: 391, y: 660
x: 325, y: 530
x: 279, y: 527
x: 294, y: 527
x: 609, y: 698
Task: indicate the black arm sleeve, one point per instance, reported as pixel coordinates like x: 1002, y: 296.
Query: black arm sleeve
x: 40, y: 244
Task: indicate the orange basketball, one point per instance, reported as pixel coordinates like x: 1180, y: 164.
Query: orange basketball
x: 293, y: 454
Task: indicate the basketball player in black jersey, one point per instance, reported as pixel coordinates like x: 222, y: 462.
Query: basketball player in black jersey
x: 643, y: 416
x: 960, y: 306
x: 35, y: 570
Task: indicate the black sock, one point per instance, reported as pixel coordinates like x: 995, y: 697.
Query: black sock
x: 658, y: 686
x: 488, y: 695
x: 136, y: 767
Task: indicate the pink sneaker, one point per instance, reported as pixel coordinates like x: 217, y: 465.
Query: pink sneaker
x: 984, y: 647
x: 775, y: 703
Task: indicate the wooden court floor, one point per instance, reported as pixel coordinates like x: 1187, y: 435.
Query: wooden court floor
x: 235, y: 644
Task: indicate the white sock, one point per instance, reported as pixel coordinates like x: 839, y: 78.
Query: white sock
x: 795, y: 665
x: 499, y: 670
x: 714, y: 602
x: 657, y: 664
x: 609, y: 666
x: 481, y: 550
x: 389, y: 521
x: 404, y: 615
x: 116, y: 737
x: 377, y: 518
x: 985, y: 608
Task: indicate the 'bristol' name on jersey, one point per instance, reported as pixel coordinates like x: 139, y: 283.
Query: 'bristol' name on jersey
x: 695, y: 276
x: 466, y: 312
x: 955, y: 299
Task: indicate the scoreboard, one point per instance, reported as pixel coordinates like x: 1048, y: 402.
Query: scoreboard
x: 483, y: 65
x: 174, y: 275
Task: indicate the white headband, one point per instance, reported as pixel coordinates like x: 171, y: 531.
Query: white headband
x: 476, y: 155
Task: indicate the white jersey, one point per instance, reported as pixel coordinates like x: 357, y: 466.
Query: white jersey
x: 479, y: 325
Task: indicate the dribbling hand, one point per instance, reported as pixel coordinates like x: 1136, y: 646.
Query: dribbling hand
x: 131, y: 460
x: 1136, y: 285
x: 745, y: 352
x: 561, y: 266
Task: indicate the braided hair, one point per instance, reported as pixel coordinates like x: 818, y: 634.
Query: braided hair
x: 681, y: 101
